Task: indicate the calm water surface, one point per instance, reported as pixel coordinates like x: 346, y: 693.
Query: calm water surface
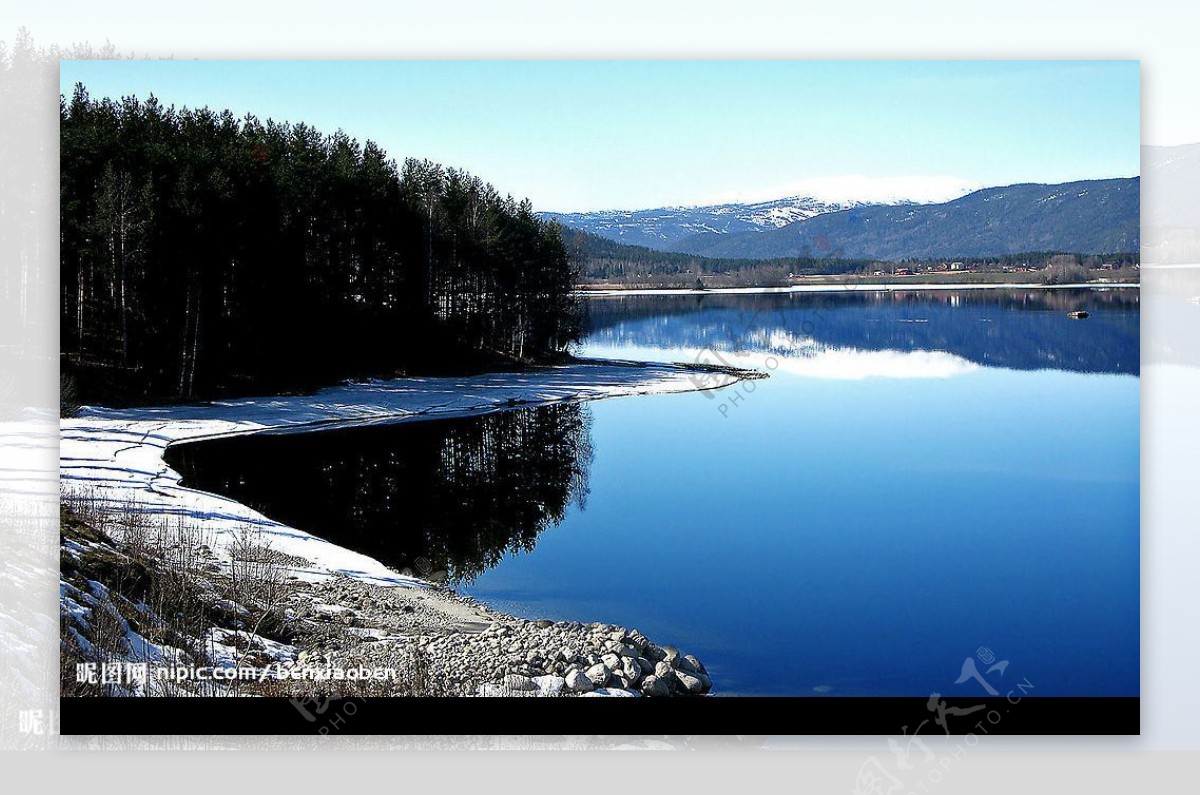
x: 922, y: 475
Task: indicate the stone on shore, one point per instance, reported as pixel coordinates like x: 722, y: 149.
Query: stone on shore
x: 598, y: 674
x: 578, y: 682
x: 653, y: 686
x: 690, y: 683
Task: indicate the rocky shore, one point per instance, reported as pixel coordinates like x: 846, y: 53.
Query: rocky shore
x: 170, y: 600
x: 472, y: 649
x: 260, y: 593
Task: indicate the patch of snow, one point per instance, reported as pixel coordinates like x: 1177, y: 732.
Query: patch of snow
x: 230, y: 648
x: 806, y: 357
x: 115, y: 456
x: 611, y: 692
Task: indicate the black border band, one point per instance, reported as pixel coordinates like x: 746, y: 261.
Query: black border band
x: 731, y: 715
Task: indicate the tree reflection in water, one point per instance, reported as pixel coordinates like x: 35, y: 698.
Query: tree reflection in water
x: 455, y: 495
x: 1018, y: 329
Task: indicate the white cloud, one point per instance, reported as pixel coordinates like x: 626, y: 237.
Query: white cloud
x: 852, y: 364
x: 805, y: 357
x: 784, y: 352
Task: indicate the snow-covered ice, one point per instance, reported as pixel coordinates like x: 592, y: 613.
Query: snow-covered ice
x: 115, y: 456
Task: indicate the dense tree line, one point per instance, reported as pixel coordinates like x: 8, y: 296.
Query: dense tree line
x: 205, y: 255
x: 600, y: 260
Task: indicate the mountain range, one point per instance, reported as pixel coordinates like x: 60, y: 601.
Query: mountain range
x: 1086, y: 217
x: 665, y: 228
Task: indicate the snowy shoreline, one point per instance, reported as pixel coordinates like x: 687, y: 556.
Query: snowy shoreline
x: 350, y: 608
x: 114, y: 457
x: 843, y: 288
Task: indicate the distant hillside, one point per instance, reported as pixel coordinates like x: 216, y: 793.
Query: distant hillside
x: 599, y: 260
x: 662, y: 228
x: 1086, y: 217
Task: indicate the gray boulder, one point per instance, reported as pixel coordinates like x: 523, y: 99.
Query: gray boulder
x: 578, y: 682
x: 689, y: 683
x: 598, y: 674
x: 620, y: 680
x: 653, y: 686
x: 632, y: 670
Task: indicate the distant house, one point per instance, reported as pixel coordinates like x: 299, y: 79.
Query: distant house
x: 956, y: 266
x: 1108, y: 266
x: 903, y: 272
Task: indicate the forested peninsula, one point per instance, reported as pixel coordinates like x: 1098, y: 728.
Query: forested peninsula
x: 206, y: 255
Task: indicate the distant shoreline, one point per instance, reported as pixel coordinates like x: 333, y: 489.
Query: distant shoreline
x: 844, y: 288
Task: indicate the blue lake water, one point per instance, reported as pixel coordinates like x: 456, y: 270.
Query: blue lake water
x: 922, y: 475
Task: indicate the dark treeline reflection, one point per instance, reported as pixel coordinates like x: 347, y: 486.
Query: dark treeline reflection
x: 1019, y: 329
x: 454, y: 495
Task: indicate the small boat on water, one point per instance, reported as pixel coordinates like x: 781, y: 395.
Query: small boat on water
x: 1078, y: 314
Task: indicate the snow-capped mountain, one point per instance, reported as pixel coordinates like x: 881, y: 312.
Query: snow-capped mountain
x: 1086, y: 217
x: 663, y: 227
x: 685, y: 228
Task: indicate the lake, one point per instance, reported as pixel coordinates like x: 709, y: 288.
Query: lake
x: 923, y: 478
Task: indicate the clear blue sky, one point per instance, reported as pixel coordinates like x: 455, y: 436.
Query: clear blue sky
x: 582, y: 135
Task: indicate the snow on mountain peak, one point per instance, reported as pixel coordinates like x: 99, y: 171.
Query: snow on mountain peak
x: 856, y: 189
x: 664, y: 227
